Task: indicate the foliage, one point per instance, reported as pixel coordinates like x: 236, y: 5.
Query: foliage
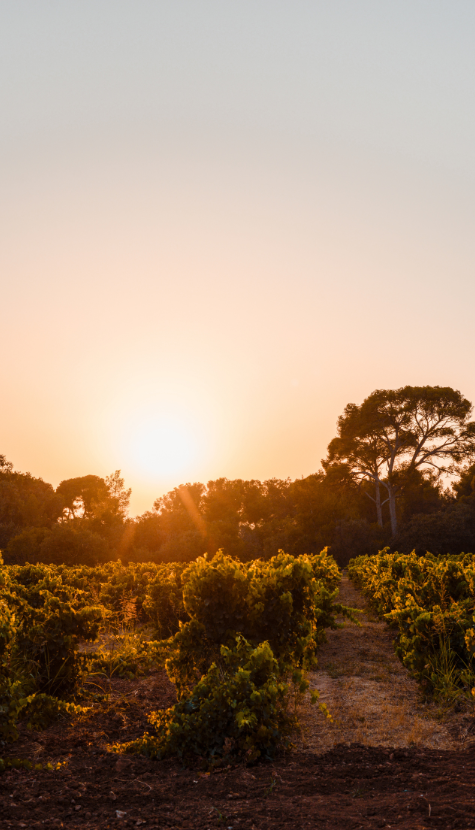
x: 446, y: 531
x: 252, y: 630
x: 42, y: 622
x: 62, y: 545
x: 464, y: 488
x: 252, y: 520
x: 279, y: 601
x: 25, y: 502
x: 238, y: 708
x: 92, y: 497
x: 125, y: 655
x: 47, y: 612
x: 290, y: 607
x: 164, y: 603
x: 24, y: 763
x: 83, y: 522
x: 395, y: 433
x: 48, y: 640
x: 431, y: 601
x: 228, y: 631
x: 216, y: 593
x: 248, y: 519
x: 40, y: 710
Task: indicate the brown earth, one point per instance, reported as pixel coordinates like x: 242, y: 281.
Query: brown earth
x: 329, y: 781
x: 372, y: 698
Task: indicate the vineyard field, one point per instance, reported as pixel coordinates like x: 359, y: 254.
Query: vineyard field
x: 235, y: 641
x: 429, y: 601
x: 164, y: 696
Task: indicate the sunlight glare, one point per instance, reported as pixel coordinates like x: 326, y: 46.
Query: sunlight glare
x: 163, y: 447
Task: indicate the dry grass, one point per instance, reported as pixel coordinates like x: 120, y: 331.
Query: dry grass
x: 370, y: 695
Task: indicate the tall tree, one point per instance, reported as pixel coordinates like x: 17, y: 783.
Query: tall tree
x: 25, y: 501
x: 91, y: 497
x: 82, y: 496
x: 464, y: 488
x: 396, y: 432
x: 5, y: 466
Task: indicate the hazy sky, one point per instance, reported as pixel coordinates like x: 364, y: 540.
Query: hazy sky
x: 222, y: 221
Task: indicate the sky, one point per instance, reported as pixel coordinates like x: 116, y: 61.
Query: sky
x: 221, y: 222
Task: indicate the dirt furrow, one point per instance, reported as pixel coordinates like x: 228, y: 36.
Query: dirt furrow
x: 370, y: 695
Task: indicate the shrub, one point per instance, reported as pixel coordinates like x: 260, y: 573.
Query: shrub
x: 25, y: 546
x: 252, y: 629
x: 430, y: 600
x: 48, y: 637
x: 216, y: 593
x: 238, y: 708
x: 73, y: 546
x: 61, y: 545
x: 42, y: 621
x: 163, y: 604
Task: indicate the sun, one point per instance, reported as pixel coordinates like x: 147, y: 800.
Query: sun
x: 163, y: 446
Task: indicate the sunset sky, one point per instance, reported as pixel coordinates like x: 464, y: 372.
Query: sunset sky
x: 222, y: 221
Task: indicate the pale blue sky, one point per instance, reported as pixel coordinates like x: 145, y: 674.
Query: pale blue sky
x: 392, y: 77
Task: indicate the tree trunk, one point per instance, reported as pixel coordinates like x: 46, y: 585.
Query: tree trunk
x: 379, y: 510
x: 392, y: 509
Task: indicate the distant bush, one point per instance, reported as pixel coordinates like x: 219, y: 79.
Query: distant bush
x: 355, y: 537
x: 25, y: 546
x: 448, y: 531
x: 182, y: 547
x: 64, y: 544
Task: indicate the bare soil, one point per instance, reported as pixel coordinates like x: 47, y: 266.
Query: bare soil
x: 399, y: 767
x: 372, y: 698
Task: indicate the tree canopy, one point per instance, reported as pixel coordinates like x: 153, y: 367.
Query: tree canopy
x: 397, y: 432
x: 91, y: 497
x: 25, y: 501
x: 381, y: 483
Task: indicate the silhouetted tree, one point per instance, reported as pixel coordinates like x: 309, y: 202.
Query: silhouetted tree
x: 395, y: 432
x: 25, y: 501
x: 91, y: 497
x: 64, y: 544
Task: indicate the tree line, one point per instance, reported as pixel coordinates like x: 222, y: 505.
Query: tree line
x: 400, y: 473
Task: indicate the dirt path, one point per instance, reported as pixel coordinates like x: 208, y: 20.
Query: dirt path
x: 370, y: 695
